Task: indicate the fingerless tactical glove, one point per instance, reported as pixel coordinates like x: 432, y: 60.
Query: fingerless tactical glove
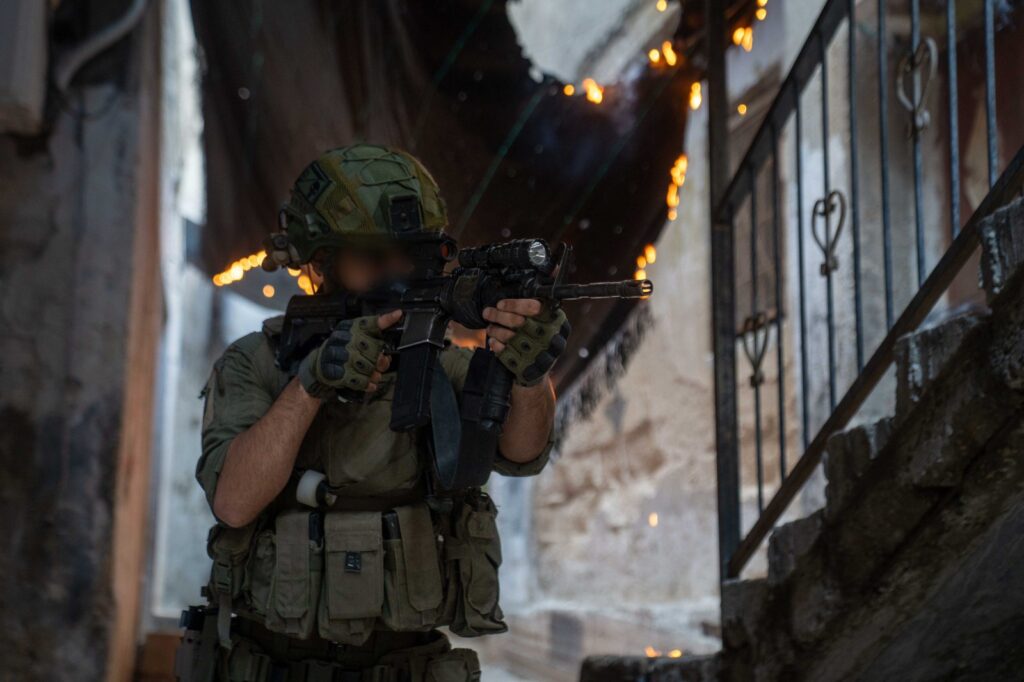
x: 536, y: 345
x: 342, y: 365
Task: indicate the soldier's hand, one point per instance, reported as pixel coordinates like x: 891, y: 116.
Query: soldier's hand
x: 351, y: 362
x: 527, y: 336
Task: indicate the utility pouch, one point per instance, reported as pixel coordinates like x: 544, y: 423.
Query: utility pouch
x: 195, y: 660
x: 353, y: 587
x: 457, y: 665
x: 413, y: 590
x: 246, y: 663
x: 228, y: 547
x: 259, y: 573
x: 295, y: 586
x: 474, y: 555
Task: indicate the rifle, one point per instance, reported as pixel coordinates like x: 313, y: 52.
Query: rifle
x: 430, y: 299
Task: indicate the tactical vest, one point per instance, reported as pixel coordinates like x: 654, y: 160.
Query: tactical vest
x: 383, y: 556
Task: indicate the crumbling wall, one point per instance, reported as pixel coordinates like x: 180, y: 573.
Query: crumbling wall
x: 75, y: 227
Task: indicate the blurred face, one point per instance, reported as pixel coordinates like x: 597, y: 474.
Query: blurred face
x: 359, y: 270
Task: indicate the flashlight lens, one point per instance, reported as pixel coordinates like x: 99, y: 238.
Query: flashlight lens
x: 538, y: 253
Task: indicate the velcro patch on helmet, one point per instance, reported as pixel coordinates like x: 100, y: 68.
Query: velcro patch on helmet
x: 312, y: 183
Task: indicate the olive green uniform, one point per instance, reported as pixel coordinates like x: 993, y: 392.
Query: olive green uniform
x: 353, y: 589
x: 333, y: 584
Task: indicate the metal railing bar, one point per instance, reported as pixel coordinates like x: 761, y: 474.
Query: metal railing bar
x: 991, y: 133
x: 806, y: 63
x: 755, y: 368
x: 851, y: 78
x: 723, y: 296
x: 829, y: 307
x: 945, y: 271
x: 804, y: 388
x: 779, y: 351
x: 954, y: 119
x: 883, y: 143
x: 915, y: 40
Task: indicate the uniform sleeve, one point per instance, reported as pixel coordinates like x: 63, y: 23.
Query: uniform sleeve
x: 507, y: 467
x: 236, y: 398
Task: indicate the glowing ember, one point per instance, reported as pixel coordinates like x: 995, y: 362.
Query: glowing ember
x: 761, y: 14
x: 678, y: 171
x: 651, y: 651
x: 695, y: 96
x: 742, y: 108
x: 662, y: 5
x: 650, y: 253
x: 268, y: 290
x: 236, y: 271
x: 595, y: 92
x: 670, y: 54
x: 672, y: 198
x: 654, y: 56
x: 678, y: 175
x: 569, y: 89
x: 639, y: 275
x: 675, y: 653
x: 652, y: 519
x: 744, y: 37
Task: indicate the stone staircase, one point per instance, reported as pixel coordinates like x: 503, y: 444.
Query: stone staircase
x: 914, y: 569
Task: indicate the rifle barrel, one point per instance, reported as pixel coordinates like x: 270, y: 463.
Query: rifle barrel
x: 627, y: 288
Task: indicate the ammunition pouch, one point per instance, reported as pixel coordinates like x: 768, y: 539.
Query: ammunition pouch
x: 353, y: 590
x: 298, y: 550
x: 342, y: 574
x: 413, y: 588
x: 473, y: 554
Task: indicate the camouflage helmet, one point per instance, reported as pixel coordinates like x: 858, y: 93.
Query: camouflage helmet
x: 360, y: 195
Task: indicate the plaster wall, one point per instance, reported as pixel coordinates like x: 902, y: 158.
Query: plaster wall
x: 81, y: 315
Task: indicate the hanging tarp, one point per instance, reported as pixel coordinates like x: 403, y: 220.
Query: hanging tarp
x: 446, y: 80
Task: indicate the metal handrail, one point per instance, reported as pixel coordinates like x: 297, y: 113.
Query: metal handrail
x: 1007, y: 186
x: 763, y: 152
x: 761, y: 147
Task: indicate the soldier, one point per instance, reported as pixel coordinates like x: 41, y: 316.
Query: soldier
x: 353, y: 584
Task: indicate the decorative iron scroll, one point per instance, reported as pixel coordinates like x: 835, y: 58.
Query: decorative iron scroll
x: 926, y: 54
x: 823, y: 208
x: 754, y: 335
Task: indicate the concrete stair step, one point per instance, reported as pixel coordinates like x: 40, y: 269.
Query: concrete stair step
x: 886, y: 478
x: 1002, y: 247
x: 922, y: 355
x: 848, y: 455
x: 744, y: 606
x: 959, y: 396
x: 790, y: 544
